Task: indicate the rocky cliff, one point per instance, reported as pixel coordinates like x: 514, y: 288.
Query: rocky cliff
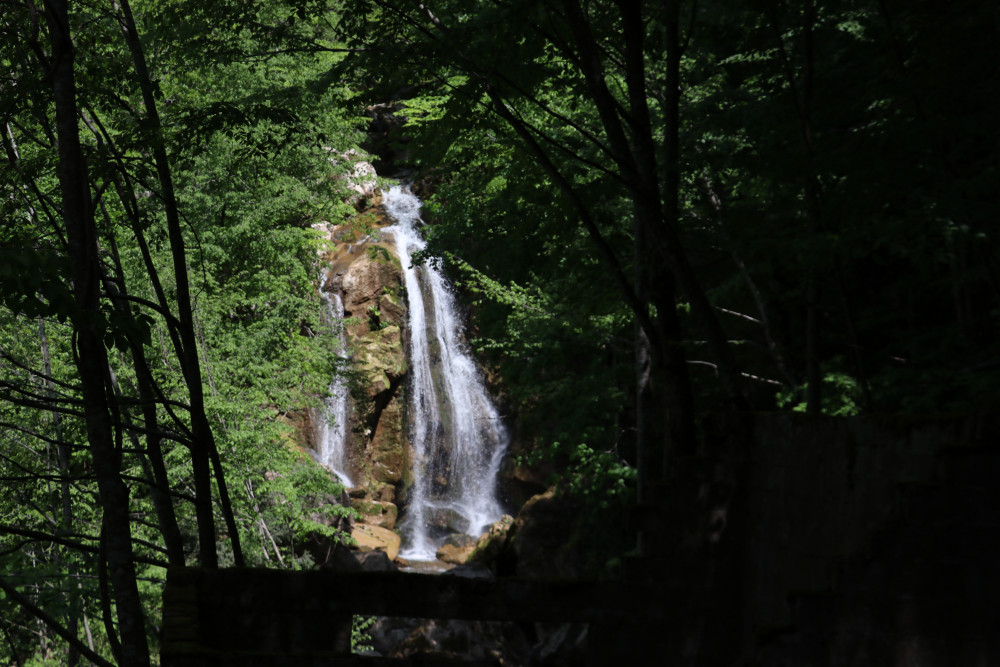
x: 363, y: 270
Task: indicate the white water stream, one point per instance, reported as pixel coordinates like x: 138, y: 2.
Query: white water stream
x: 331, y: 430
x: 456, y: 433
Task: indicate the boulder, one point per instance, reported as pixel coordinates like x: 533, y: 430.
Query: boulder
x: 470, y: 571
x: 456, y: 549
x: 521, y: 481
x: 330, y: 554
x: 443, y: 521
x: 375, y: 538
x: 380, y: 415
x: 380, y: 358
x: 545, y: 539
x: 392, y: 309
x: 490, y: 545
x: 375, y: 561
x: 450, y: 553
x: 385, y: 493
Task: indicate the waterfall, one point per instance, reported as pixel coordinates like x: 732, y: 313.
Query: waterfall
x: 331, y: 428
x: 456, y: 433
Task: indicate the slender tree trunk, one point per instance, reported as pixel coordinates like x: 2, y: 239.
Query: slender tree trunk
x: 680, y: 398
x: 811, y: 189
x: 160, y: 484
x: 89, y: 352
x: 637, y: 165
x: 814, y: 377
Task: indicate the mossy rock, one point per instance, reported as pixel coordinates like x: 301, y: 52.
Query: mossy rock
x: 375, y: 513
x: 392, y: 309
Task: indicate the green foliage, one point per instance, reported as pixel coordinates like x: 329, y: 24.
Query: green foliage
x: 361, y: 640
x: 851, y: 166
x: 257, y: 158
x: 841, y: 396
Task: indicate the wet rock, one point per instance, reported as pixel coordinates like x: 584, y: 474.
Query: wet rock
x: 385, y: 493
x: 391, y: 309
x: 376, y: 272
x: 367, y: 276
x: 461, y: 541
x: 443, y: 521
x: 381, y: 353
x: 387, y: 449
x: 456, y: 549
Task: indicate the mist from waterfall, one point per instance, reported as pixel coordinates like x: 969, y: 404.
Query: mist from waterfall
x: 331, y: 427
x: 457, y: 436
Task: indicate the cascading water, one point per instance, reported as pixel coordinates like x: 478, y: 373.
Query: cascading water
x: 331, y: 429
x: 456, y: 433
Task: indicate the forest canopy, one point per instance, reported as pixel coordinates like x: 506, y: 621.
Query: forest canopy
x: 657, y: 213
x: 666, y: 210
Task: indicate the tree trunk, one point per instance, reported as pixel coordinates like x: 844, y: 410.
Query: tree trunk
x: 89, y: 352
x: 814, y: 376
x: 159, y: 484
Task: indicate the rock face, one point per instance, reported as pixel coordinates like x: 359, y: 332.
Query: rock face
x: 490, y: 545
x: 366, y: 274
x: 546, y: 540
x: 541, y: 538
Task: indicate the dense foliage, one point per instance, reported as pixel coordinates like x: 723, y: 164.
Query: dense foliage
x: 207, y: 114
x: 836, y: 197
